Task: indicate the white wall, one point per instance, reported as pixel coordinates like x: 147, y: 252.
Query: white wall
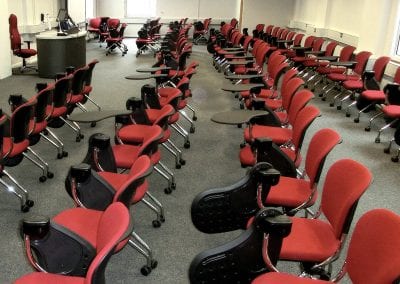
x: 268, y: 12
x: 5, y: 52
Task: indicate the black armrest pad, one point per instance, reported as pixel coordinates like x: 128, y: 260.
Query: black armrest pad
x: 273, y: 222
x: 36, y: 227
x: 100, y: 140
x: 122, y: 119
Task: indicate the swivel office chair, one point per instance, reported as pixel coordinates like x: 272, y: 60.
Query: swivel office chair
x: 16, y: 45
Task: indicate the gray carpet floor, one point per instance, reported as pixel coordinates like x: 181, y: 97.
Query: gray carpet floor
x: 212, y: 161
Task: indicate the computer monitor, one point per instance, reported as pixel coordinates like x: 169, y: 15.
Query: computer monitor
x: 62, y: 15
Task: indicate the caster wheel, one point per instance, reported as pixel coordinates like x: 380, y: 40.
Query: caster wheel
x: 323, y: 99
x: 42, y: 179
x: 192, y: 129
x: 356, y: 120
x: 50, y: 175
x: 241, y: 106
x: 154, y: 264
x: 187, y: 145
x: 312, y: 90
x: 239, y: 126
x: 377, y: 140
x: 78, y: 139
x: 156, y: 224
x: 145, y: 270
x: 60, y: 156
x: 395, y: 159
x: 25, y: 208
x: 242, y: 145
x: 162, y: 218
x: 182, y: 162
x: 339, y: 107
x: 167, y: 190
x: 236, y: 96
x: 368, y: 129
x: 194, y: 118
x: 320, y: 95
x: 30, y: 203
x: 347, y: 114
x: 178, y: 166
x: 386, y: 151
x: 173, y: 185
x: 81, y: 136
x: 65, y: 154
x: 45, y: 132
x: 243, y: 166
x: 93, y: 124
x: 331, y: 104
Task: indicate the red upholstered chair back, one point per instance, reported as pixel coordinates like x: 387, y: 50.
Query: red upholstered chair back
x: 346, y: 53
x: 260, y: 27
x: 89, y: 73
x: 330, y: 48
x: 374, y: 255
x: 150, y: 141
x: 287, y: 93
x: 284, y: 34
x: 95, y: 23
x: 268, y: 29
x: 297, y: 39
x: 140, y: 169
x: 275, y: 31
x: 234, y: 23
x: 362, y: 59
x: 317, y: 44
x: 290, y: 35
x: 15, y: 37
x: 345, y: 182
x: 309, y: 41
x: 396, y: 78
x: 115, y: 225
x: 113, y: 23
x: 320, y: 145
x: 165, y: 113
x: 298, y: 101
x: 291, y: 73
x: 380, y: 66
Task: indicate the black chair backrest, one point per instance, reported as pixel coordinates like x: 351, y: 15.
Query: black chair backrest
x: 19, y: 121
x: 3, y: 120
x: 89, y: 72
x: 43, y: 98
x: 78, y: 80
x: 392, y: 92
x: 62, y: 88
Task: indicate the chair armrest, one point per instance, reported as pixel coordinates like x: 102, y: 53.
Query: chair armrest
x: 327, y: 58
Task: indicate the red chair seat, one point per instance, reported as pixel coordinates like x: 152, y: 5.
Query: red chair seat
x: 353, y: 85
x: 47, y: 278
x: 278, y: 135
x: 75, y: 99
x: 174, y: 118
x: 280, y: 278
x: 87, y: 89
x: 125, y: 155
x: 342, y: 77
x: 246, y: 156
x: 152, y: 114
x: 392, y: 111
x: 283, y: 116
x: 315, y: 240
x: 133, y: 134
x: 17, y: 148
x: 324, y: 70
x: 26, y: 53
x: 182, y: 104
x: 83, y: 222
x: 117, y: 180
x: 273, y: 104
x: 39, y: 126
x: 58, y: 111
x: 290, y: 192
x: 374, y: 95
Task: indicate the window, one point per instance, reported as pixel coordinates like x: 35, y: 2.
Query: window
x: 140, y: 8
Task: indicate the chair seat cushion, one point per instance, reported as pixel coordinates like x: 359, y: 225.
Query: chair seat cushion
x: 47, y: 278
x: 278, y: 135
x: 125, y: 155
x: 280, y: 278
x: 246, y: 157
x: 374, y: 95
x: 353, y: 84
x: 134, y: 133
x: 392, y: 111
x: 26, y: 53
x: 273, y: 103
x: 117, y: 180
x: 17, y: 148
x: 39, y: 126
x: 324, y: 70
x: 343, y: 77
x: 73, y: 99
x: 289, y: 192
x: 83, y: 222
x: 310, y: 240
x: 87, y: 89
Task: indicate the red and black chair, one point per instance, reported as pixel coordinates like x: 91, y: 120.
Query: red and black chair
x: 201, y: 31
x: 93, y: 27
x: 372, y: 256
x: 88, y: 88
x: 314, y: 242
x: 16, y: 44
x: 82, y: 240
x: 116, y: 39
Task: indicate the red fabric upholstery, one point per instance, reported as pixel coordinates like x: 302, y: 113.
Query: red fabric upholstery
x: 278, y: 135
x: 353, y: 85
x: 290, y: 192
x: 374, y: 95
x: 39, y: 126
x: 17, y: 148
x: 309, y: 240
x: 125, y: 155
x: 280, y: 278
x: 246, y: 156
x: 83, y: 222
x: 58, y: 111
x: 47, y: 278
x: 392, y: 111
